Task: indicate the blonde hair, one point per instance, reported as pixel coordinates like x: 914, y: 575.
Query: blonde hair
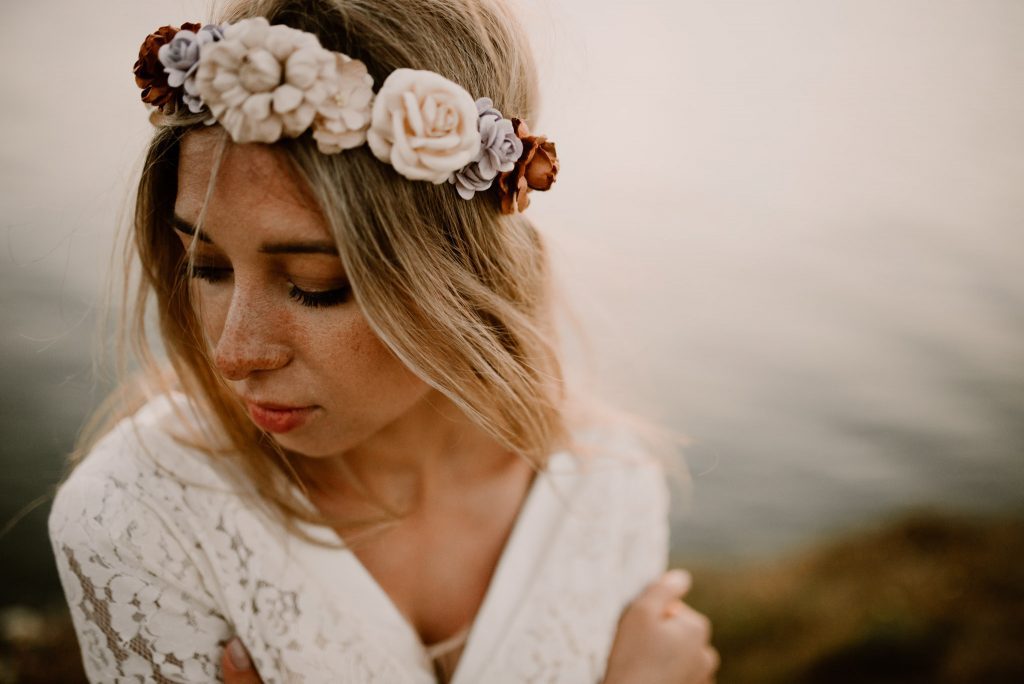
x: 461, y: 293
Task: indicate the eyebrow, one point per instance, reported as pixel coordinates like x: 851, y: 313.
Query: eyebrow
x: 294, y: 247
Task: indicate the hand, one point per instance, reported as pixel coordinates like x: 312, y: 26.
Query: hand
x: 237, y: 665
x: 661, y: 640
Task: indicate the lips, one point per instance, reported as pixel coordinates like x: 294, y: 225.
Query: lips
x: 279, y: 418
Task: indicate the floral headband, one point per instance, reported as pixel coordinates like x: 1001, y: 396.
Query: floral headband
x: 262, y: 82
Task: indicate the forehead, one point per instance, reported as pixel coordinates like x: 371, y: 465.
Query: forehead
x: 254, y: 185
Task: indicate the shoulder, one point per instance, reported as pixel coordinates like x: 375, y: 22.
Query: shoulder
x: 143, y: 469
x: 635, y: 484
x: 163, y: 436
x: 144, y: 601
x: 613, y: 484
x: 621, y: 462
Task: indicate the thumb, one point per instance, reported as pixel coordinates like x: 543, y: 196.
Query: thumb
x: 670, y: 586
x: 237, y: 665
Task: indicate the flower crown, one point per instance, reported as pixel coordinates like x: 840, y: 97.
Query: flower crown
x: 262, y: 82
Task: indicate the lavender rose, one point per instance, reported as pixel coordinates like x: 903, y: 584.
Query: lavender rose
x: 500, y: 148
x: 180, y: 58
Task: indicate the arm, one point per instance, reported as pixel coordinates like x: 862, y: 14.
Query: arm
x: 137, y: 599
x: 659, y: 639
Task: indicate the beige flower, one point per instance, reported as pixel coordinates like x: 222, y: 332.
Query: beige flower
x: 344, y: 116
x: 424, y: 125
x: 262, y: 81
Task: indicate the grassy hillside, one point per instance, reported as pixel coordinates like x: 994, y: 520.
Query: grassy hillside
x: 927, y: 598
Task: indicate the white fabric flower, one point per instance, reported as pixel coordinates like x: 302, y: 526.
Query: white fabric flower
x: 262, y: 81
x: 344, y: 116
x: 424, y: 125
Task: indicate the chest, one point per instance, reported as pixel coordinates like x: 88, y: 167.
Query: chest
x: 436, y: 570
x: 536, y: 578
x: 436, y: 563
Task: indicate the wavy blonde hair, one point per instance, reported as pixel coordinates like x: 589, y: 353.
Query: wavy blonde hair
x: 461, y: 293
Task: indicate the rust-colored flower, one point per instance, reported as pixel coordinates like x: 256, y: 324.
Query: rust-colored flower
x: 536, y: 169
x: 149, y: 72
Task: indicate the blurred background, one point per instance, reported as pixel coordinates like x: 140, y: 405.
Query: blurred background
x: 795, y: 231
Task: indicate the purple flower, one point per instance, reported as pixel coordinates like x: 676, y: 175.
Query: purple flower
x: 500, y: 148
x: 180, y: 58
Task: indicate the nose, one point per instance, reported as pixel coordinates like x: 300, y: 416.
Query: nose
x: 249, y: 340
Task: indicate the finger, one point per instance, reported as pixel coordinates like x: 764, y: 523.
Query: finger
x: 703, y: 621
x: 674, y: 608
x: 699, y: 622
x: 237, y: 666
x: 669, y: 586
x: 714, y: 659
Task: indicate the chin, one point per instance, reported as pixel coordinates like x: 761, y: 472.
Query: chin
x: 309, y: 445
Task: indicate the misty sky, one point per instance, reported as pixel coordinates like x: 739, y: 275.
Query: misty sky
x: 792, y: 226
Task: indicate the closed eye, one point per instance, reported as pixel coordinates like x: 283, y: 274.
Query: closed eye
x: 309, y: 298
x: 210, y: 274
x: 321, y: 298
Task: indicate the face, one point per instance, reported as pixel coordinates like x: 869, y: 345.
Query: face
x: 283, y: 328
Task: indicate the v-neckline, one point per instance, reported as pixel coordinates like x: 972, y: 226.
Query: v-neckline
x: 517, y: 557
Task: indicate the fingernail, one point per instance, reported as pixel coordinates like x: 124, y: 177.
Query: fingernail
x: 239, y: 657
x: 677, y: 577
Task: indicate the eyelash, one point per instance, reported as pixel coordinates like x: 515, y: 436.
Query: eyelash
x: 313, y: 300
x: 320, y: 299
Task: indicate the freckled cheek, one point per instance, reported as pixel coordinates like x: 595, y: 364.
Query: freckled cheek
x: 360, y: 368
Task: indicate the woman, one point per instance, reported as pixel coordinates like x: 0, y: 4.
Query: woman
x: 362, y: 462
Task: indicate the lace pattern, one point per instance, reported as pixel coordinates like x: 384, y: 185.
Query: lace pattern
x: 163, y: 556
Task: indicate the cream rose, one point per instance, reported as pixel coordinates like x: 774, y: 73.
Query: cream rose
x: 343, y: 117
x: 424, y: 125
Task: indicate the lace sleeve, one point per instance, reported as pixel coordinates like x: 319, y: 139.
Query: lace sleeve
x: 646, y: 538
x: 137, y: 599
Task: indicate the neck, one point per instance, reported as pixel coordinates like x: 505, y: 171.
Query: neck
x: 430, y: 449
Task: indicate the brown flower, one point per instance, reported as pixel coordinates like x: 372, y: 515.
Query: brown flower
x: 149, y: 72
x: 536, y: 169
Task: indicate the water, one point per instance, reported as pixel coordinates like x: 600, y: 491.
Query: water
x: 798, y: 234
x: 795, y: 231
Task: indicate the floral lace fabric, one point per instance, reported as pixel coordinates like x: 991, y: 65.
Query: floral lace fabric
x: 164, y: 554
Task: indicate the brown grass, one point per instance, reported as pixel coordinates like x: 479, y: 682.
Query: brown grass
x: 926, y: 598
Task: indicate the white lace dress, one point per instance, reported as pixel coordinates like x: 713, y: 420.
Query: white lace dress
x: 164, y: 555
